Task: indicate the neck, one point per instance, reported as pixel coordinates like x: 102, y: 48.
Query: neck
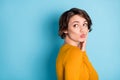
x: 71, y: 42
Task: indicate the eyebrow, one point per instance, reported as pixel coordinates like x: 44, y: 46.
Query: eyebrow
x: 85, y: 21
x: 78, y: 21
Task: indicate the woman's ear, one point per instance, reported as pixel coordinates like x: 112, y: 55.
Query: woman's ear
x: 65, y: 31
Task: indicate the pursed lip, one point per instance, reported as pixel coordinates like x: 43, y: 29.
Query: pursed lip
x: 82, y: 35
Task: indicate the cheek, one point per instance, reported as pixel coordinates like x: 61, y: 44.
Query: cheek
x: 74, y: 34
x: 86, y: 32
x: 73, y: 31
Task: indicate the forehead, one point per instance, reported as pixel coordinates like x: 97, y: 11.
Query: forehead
x: 77, y: 18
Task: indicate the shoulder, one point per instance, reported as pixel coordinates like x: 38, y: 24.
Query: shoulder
x: 74, y: 57
x: 75, y: 52
x: 70, y: 50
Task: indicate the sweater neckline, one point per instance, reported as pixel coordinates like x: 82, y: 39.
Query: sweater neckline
x: 66, y: 44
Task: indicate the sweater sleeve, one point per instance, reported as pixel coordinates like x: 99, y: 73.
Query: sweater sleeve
x: 59, y: 68
x: 73, y: 64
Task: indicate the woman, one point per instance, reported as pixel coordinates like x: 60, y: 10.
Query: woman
x: 72, y: 62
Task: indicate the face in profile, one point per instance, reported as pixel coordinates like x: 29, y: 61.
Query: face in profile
x: 77, y: 29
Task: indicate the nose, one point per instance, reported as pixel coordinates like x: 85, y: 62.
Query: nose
x: 82, y: 29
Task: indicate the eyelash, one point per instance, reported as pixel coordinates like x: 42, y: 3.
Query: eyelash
x: 85, y: 24
x: 75, y: 25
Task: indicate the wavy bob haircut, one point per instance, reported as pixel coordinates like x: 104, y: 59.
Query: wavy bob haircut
x: 65, y: 17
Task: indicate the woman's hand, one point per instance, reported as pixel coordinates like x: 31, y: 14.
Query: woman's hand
x: 83, y: 44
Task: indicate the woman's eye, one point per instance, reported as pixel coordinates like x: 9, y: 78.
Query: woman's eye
x: 85, y: 25
x: 75, y: 25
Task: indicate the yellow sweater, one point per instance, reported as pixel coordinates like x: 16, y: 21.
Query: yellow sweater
x: 73, y: 64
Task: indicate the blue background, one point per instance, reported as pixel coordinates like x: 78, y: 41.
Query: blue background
x: 29, y: 42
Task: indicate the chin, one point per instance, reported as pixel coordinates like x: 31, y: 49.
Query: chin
x: 82, y: 40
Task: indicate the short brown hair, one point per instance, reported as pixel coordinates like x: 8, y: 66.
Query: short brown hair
x: 65, y: 17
